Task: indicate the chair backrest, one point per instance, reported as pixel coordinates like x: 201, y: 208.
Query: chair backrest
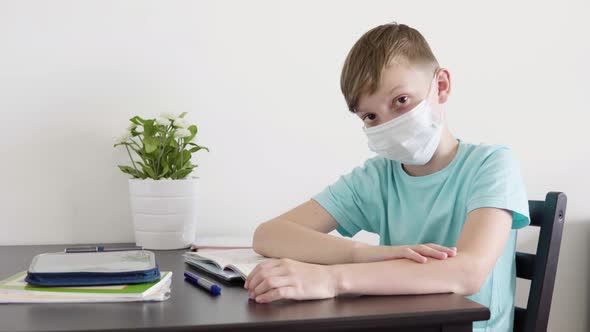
x: 541, y: 268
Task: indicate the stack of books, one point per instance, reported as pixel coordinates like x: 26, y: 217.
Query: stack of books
x: 99, y: 276
x: 16, y: 290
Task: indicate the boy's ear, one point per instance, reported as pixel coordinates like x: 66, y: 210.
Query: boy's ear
x: 444, y: 85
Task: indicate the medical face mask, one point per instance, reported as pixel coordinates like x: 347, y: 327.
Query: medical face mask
x: 411, y: 138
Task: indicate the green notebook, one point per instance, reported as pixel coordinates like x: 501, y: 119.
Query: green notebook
x: 15, y: 290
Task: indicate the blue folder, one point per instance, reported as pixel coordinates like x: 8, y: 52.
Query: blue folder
x: 93, y: 268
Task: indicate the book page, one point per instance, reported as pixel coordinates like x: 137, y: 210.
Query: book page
x: 243, y: 270
x: 239, y: 258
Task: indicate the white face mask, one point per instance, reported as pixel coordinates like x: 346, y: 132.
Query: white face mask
x: 411, y: 138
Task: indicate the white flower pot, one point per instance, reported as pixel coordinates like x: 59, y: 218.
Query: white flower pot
x: 164, y: 212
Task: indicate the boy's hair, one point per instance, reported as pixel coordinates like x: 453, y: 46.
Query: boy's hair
x: 378, y: 47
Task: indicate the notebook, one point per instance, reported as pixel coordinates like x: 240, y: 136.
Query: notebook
x: 16, y: 290
x: 227, y: 264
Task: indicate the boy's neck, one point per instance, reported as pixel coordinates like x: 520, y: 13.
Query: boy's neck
x: 444, y: 154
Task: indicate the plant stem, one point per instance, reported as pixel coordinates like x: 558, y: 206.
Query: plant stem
x: 181, y: 153
x: 163, y: 147
x: 129, y: 153
x: 138, y: 147
x: 137, y: 151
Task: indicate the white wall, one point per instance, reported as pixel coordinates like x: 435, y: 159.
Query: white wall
x: 261, y: 79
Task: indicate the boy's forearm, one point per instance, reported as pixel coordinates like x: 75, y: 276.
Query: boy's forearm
x: 280, y: 238
x: 402, y: 276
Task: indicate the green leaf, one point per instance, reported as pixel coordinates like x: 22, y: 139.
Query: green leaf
x: 131, y: 171
x: 181, y: 174
x: 165, y: 168
x: 186, y: 164
x: 180, y: 162
x: 137, y: 120
x: 193, y: 130
x: 195, y: 149
x: 151, y: 144
x: 171, y: 157
x: 182, y: 115
x: 126, y: 169
x: 149, y: 129
x: 149, y: 170
x: 198, y: 146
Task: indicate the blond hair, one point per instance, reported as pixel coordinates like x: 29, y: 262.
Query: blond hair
x: 374, y: 51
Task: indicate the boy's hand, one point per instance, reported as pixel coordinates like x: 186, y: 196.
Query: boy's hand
x: 290, y: 279
x: 418, y: 253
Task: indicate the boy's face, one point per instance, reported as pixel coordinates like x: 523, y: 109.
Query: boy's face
x: 401, y: 88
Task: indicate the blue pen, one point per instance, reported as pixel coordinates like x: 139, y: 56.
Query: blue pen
x: 202, y: 282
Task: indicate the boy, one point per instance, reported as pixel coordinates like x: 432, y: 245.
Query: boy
x: 425, y: 192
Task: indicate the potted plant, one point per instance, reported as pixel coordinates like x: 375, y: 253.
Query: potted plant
x: 162, y: 193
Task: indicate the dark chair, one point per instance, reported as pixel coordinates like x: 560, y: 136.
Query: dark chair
x: 541, y: 268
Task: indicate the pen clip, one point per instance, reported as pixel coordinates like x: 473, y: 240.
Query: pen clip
x: 73, y: 250
x: 101, y: 248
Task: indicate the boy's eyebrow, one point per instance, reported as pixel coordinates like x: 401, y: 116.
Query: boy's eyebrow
x: 395, y: 88
x: 357, y: 111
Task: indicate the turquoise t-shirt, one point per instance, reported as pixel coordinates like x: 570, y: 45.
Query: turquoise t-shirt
x: 380, y: 197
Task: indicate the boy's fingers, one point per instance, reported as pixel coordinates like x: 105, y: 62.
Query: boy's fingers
x: 251, y: 275
x: 413, y: 255
x: 429, y: 251
x: 263, y: 274
x: 270, y: 263
x: 276, y: 294
x: 451, y: 251
x: 270, y: 283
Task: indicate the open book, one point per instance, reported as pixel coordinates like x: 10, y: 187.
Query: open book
x: 228, y: 264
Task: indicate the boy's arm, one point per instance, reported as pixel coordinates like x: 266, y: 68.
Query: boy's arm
x: 479, y: 246
x: 481, y: 242
x: 299, y: 234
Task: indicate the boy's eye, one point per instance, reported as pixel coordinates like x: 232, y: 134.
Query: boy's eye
x: 370, y: 116
x: 401, y: 100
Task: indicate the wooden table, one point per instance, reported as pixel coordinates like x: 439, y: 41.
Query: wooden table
x: 192, y: 309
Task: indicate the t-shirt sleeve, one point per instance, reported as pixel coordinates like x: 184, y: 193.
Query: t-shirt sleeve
x: 355, y: 200
x: 498, y: 183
